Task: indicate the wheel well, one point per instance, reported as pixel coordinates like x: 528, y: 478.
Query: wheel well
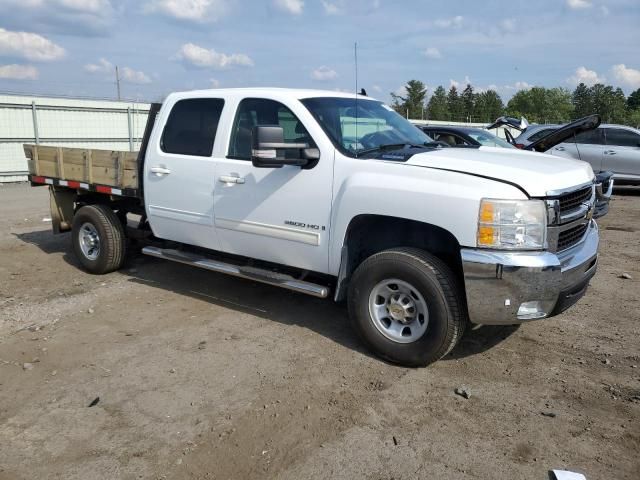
x: 370, y: 234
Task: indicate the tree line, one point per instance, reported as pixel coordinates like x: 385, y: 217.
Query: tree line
x: 537, y: 104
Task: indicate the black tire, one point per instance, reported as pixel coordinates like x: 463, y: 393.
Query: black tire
x: 110, y: 233
x: 439, y: 288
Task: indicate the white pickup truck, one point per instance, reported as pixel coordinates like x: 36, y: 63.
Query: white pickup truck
x: 335, y: 194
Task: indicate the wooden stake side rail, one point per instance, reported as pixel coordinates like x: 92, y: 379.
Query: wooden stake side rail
x: 105, y: 171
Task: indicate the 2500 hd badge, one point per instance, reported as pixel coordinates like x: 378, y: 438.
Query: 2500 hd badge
x: 304, y: 225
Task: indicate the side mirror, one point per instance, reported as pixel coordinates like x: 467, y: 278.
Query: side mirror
x: 268, y: 149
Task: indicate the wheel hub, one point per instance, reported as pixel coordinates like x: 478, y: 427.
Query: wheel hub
x: 89, y: 241
x: 398, y: 311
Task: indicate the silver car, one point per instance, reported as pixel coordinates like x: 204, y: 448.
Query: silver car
x: 614, y: 148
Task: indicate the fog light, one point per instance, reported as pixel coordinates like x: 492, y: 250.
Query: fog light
x: 531, y: 310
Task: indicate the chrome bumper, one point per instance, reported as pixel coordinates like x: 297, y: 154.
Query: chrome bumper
x: 505, y: 288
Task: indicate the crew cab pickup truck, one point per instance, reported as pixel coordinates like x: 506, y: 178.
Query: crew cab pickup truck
x: 333, y: 194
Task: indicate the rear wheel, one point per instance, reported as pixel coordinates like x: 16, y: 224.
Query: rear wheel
x: 406, y: 305
x: 98, y: 239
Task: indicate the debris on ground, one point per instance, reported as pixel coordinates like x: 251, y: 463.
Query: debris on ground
x: 626, y: 276
x: 94, y: 402
x: 463, y: 391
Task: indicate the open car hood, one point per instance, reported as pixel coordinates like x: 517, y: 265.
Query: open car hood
x: 520, y: 124
x: 563, y: 134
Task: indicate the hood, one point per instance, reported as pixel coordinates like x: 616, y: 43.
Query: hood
x: 535, y: 173
x: 565, y: 133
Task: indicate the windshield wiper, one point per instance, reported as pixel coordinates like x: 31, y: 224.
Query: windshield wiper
x: 388, y: 146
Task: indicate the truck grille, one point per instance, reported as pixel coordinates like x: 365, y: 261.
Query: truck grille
x: 573, y: 200
x: 571, y: 236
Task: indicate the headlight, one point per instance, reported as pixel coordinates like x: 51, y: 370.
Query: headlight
x: 512, y: 224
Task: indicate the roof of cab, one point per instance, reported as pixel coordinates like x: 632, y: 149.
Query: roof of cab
x: 296, y: 93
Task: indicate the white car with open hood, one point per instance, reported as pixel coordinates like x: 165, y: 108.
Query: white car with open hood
x: 334, y: 194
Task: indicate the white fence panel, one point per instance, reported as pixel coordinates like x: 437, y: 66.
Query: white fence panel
x: 65, y: 122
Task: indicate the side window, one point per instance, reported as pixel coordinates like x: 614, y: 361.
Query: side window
x: 622, y: 138
x: 590, y: 137
x: 259, y: 111
x: 191, y: 127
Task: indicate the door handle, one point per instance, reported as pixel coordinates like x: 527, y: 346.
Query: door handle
x: 609, y: 152
x: 159, y: 171
x: 560, y: 149
x: 230, y: 179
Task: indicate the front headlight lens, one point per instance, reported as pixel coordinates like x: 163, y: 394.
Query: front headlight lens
x: 512, y: 224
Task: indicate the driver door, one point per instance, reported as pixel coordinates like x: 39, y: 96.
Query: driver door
x: 279, y: 215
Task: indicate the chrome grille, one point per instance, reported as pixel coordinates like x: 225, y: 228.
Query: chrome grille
x: 573, y: 200
x: 569, y: 237
x: 570, y: 215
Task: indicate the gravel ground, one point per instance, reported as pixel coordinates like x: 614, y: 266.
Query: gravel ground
x: 196, y: 375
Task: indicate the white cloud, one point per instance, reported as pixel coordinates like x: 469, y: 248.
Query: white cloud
x: 333, y: 7
x: 626, y: 76
x: 134, y: 76
x: 29, y: 45
x: 324, y: 74
x: 70, y: 17
x: 579, y: 4
x: 214, y: 82
x: 199, y: 11
x: 460, y: 85
x: 586, y: 76
x: 294, y: 7
x: 376, y: 88
x: 18, y: 72
x: 200, y: 57
x: 522, y: 86
x: 453, y: 22
x: 432, y: 52
x: 127, y: 74
x: 103, y: 66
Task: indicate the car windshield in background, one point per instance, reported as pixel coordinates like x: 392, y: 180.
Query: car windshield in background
x: 365, y: 125
x: 489, y: 140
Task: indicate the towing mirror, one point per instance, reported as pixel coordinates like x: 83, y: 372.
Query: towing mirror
x: 269, y: 149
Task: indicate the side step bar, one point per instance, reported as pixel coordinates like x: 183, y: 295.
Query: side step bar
x: 251, y: 273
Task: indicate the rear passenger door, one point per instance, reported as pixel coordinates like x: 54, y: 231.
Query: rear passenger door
x: 586, y: 146
x: 622, y: 152
x: 179, y: 172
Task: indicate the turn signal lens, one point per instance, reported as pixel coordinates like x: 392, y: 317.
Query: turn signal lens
x: 512, y: 224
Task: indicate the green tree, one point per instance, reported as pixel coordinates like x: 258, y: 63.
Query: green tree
x: 488, y: 106
x: 633, y: 101
x: 454, y: 105
x: 610, y: 104
x: 438, y: 109
x: 413, y: 102
x: 468, y: 101
x: 542, y: 105
x: 582, y: 102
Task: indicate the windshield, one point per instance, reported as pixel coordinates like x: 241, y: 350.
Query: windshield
x: 489, y: 140
x: 371, y: 126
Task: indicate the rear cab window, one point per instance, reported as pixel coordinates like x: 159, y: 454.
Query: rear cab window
x: 191, y: 127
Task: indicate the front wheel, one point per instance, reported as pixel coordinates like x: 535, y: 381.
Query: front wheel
x: 407, y: 306
x: 98, y: 239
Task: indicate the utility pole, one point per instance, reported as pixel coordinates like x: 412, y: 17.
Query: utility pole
x: 118, y: 81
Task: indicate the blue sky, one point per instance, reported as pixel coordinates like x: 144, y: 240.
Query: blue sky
x: 71, y: 47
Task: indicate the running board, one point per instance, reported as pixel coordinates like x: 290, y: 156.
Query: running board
x: 251, y: 273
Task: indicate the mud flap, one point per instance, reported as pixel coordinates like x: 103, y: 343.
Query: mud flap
x: 61, y: 201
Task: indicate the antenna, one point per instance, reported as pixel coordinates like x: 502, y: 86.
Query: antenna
x: 355, y: 56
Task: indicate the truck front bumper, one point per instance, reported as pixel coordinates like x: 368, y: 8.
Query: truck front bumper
x: 505, y: 288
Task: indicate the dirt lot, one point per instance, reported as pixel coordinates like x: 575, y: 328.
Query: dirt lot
x: 204, y: 376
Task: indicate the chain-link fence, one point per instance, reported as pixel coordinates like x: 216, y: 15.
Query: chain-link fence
x: 67, y: 122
